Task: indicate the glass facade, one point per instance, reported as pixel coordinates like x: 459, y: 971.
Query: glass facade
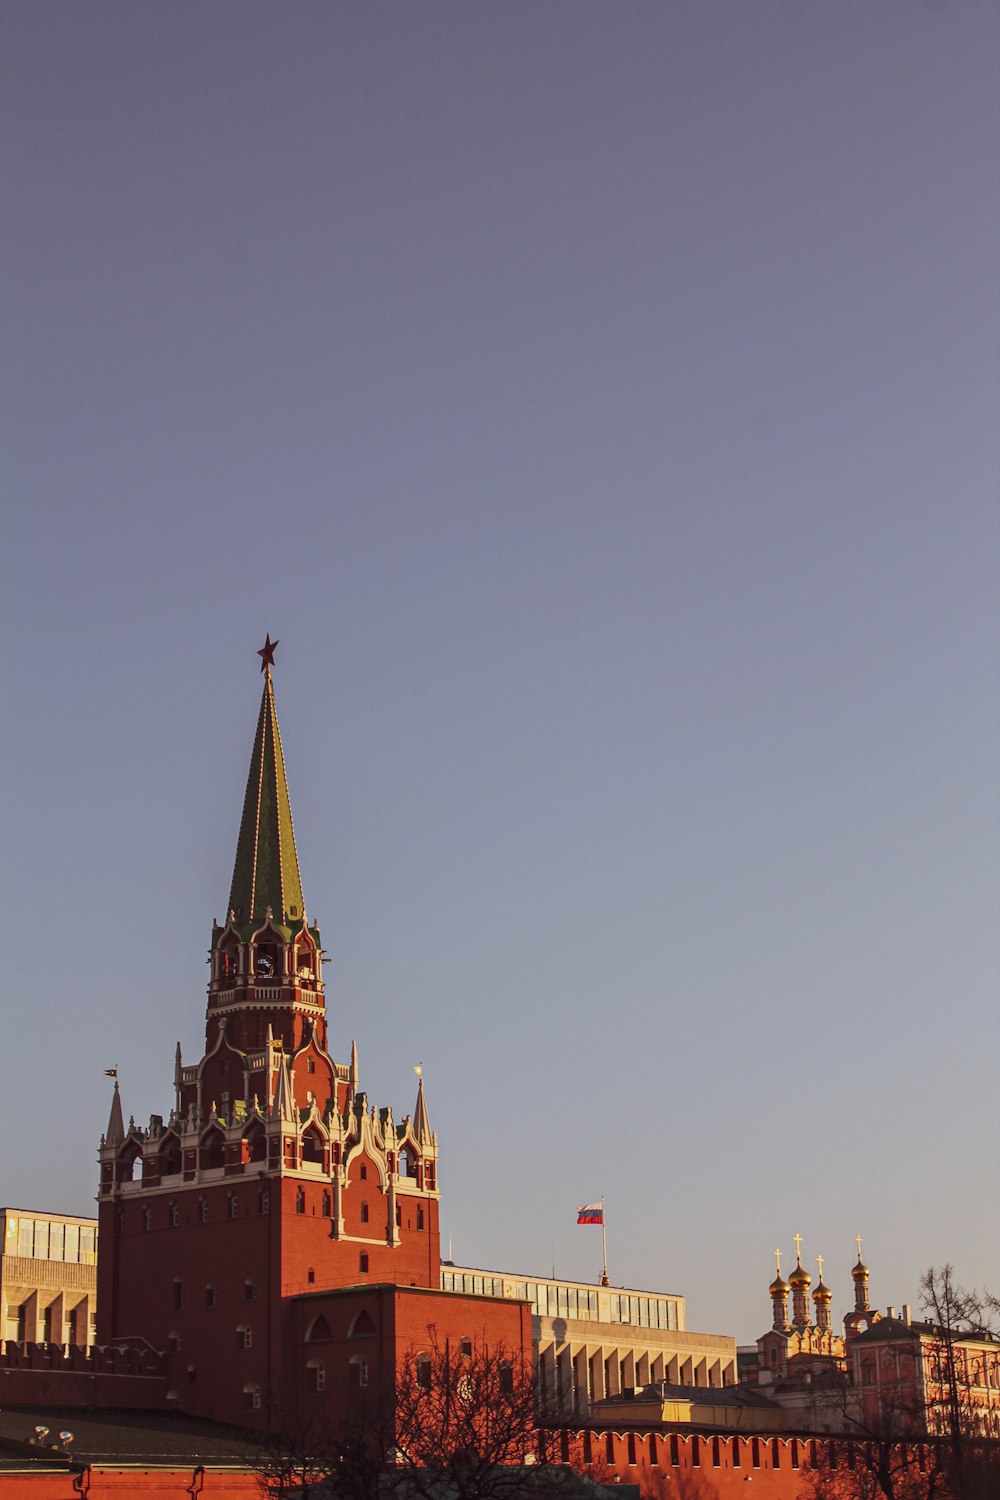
x: 561, y: 1299
x: 49, y: 1239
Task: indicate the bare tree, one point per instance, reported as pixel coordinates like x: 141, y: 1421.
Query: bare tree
x: 878, y: 1452
x: 293, y: 1457
x: 311, y: 1452
x: 970, y: 1433
x: 464, y: 1416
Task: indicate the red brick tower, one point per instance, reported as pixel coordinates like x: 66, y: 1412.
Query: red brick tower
x: 271, y: 1178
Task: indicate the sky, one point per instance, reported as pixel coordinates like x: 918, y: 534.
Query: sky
x: 598, y: 403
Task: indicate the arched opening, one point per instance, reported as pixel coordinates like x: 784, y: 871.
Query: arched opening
x: 266, y: 962
x: 318, y: 1330
x: 312, y: 1146
x: 130, y: 1153
x: 227, y: 963
x: 362, y: 1327
x: 407, y: 1162
x: 170, y: 1155
x: 305, y: 961
x: 256, y: 1143
x: 212, y: 1152
x: 358, y: 1371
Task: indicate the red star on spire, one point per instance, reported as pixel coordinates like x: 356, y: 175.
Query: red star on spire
x: 267, y: 654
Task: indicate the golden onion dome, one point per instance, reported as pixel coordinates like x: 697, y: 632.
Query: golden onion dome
x: 860, y: 1271
x: 822, y: 1293
x: 800, y: 1277
x: 778, y: 1287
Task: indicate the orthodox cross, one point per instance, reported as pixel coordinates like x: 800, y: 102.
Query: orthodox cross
x: 857, y: 1241
x: 798, y: 1247
x: 819, y: 1262
x: 777, y: 1257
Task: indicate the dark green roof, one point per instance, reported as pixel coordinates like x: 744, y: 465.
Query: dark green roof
x: 266, y: 873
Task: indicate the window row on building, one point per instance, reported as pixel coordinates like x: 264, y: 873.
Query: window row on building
x: 51, y: 1239
x: 558, y: 1299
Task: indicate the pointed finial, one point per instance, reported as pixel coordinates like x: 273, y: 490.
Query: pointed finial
x: 267, y: 654
x: 777, y: 1260
x: 418, y: 1068
x: 798, y: 1248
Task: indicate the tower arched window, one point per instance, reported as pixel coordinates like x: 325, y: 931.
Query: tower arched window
x: 300, y: 1200
x: 170, y: 1155
x: 359, y: 1371
x: 266, y: 962
x: 312, y: 1147
x: 256, y: 1143
x: 131, y: 1153
x: 212, y: 1152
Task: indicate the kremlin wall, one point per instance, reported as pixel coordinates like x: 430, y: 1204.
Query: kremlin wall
x: 272, y: 1237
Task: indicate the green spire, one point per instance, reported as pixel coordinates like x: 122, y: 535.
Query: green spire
x: 266, y: 873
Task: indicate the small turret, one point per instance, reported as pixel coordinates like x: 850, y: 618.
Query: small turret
x: 800, y: 1282
x: 421, y: 1124
x: 822, y: 1297
x: 859, y: 1275
x: 283, y: 1107
x: 779, y: 1296
x: 115, y: 1134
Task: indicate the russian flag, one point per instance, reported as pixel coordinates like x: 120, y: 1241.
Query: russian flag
x: 590, y: 1213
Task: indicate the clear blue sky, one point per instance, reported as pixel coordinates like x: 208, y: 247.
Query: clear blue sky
x: 599, y: 402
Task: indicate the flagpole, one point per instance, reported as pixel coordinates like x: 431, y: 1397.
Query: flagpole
x: 604, y: 1242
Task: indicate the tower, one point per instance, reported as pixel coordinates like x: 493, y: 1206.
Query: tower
x: 779, y: 1297
x: 822, y: 1297
x: 861, y: 1317
x: 271, y: 1178
x: 800, y: 1281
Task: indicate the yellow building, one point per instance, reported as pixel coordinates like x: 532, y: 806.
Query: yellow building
x: 48, y: 1277
x: 593, y: 1342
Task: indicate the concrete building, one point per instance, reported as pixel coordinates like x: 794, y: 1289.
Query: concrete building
x: 594, y: 1342
x: 48, y: 1277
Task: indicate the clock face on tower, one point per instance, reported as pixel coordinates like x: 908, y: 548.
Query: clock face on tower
x: 264, y: 966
